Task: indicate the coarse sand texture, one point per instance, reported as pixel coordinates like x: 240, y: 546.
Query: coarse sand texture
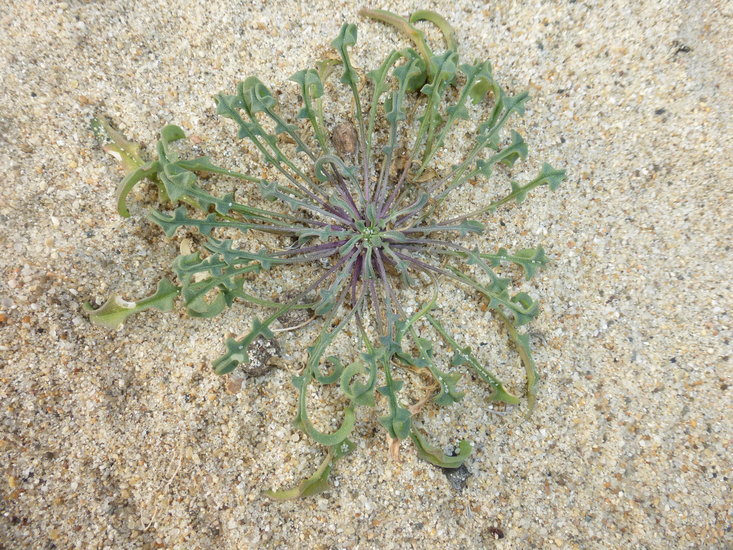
x: 128, y: 438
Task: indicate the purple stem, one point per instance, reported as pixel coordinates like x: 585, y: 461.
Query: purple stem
x: 410, y: 213
x: 375, y: 306
x: 412, y: 243
x: 383, y: 277
x: 307, y: 250
x: 365, y: 168
x: 328, y: 273
x: 395, y: 191
x: 356, y: 275
x: 308, y: 258
x: 344, y: 192
x: 422, y: 265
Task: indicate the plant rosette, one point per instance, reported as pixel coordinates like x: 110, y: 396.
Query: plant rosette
x: 366, y: 199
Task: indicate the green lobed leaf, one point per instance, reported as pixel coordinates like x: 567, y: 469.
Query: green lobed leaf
x: 314, y: 485
x: 337, y: 368
x: 406, y: 28
x: 398, y: 421
x: 228, y: 105
x: 311, y: 91
x: 515, y: 103
x: 521, y: 306
x: 448, y: 393
x: 346, y: 39
x: 552, y: 177
x: 256, y: 97
x: 479, y: 80
x: 326, y: 67
x: 170, y: 224
x: 445, y: 66
x: 195, y: 298
x: 464, y: 356
x: 310, y: 85
x: 113, y: 313
x: 507, y: 156
x: 235, y: 256
x: 521, y: 342
x: 547, y: 176
x: 237, y: 349
x: 410, y: 76
x: 171, y: 133
x: 177, y: 179
x: 148, y: 171
x: 530, y: 259
x: 226, y: 286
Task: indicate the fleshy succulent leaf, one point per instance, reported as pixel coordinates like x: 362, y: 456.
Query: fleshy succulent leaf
x: 449, y: 33
x: 237, y: 350
x: 318, y: 482
x: 361, y: 393
x: 530, y: 259
x: 302, y: 421
x: 436, y: 456
x: 115, y: 311
x: 399, y: 420
x: 116, y: 144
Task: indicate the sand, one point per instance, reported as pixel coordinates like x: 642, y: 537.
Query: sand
x: 128, y: 439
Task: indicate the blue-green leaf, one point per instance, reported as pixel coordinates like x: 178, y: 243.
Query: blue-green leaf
x: 530, y: 259
x: 303, y: 422
x: 237, y: 349
x: 360, y: 393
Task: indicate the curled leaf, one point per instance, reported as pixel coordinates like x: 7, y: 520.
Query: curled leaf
x: 303, y: 422
x: 449, y: 34
x: 436, y: 456
x: 318, y: 482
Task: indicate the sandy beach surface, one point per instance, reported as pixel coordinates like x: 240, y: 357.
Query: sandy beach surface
x: 127, y: 439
